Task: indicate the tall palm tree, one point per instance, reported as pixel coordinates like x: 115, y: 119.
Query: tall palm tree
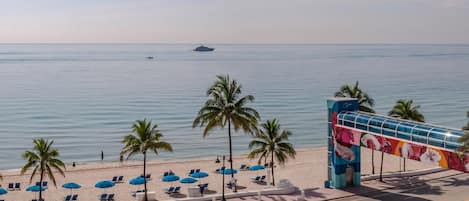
x: 405, y: 109
x: 272, y: 142
x: 467, y: 125
x: 146, y: 137
x: 225, y: 106
x: 43, y: 159
x: 365, y: 104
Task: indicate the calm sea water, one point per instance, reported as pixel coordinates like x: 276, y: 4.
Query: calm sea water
x: 86, y: 96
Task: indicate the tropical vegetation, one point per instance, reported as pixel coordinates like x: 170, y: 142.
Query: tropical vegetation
x: 227, y: 107
x: 365, y: 104
x: 404, y: 109
x: 271, y: 142
x: 43, y: 159
x: 145, y: 137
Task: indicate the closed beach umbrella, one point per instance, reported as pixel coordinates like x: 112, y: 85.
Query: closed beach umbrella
x: 137, y: 181
x: 3, y: 191
x: 170, y: 178
x: 71, y: 186
x: 199, y: 175
x: 36, y: 188
x: 256, y: 167
x: 188, y: 180
x: 228, y: 171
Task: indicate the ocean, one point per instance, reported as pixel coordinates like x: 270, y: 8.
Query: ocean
x: 86, y: 96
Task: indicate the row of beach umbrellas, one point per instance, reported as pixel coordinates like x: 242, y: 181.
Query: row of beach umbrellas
x: 141, y: 180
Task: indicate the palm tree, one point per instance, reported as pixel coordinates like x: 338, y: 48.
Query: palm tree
x: 272, y: 142
x: 43, y: 159
x: 467, y: 125
x: 405, y: 109
x: 145, y: 137
x: 365, y: 104
x: 225, y: 106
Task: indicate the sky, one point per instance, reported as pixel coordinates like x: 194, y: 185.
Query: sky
x: 234, y: 21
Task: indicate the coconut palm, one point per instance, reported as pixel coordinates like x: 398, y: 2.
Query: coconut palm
x: 43, y: 159
x: 226, y: 107
x: 145, y: 137
x: 405, y: 109
x: 365, y: 104
x: 467, y: 125
x: 272, y: 142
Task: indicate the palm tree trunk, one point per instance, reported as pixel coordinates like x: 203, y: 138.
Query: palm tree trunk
x: 372, y: 161
x: 381, y: 168
x: 272, y: 166
x: 231, y: 153
x: 145, y: 174
x: 40, y: 184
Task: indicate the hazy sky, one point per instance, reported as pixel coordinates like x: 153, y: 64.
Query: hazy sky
x: 235, y: 21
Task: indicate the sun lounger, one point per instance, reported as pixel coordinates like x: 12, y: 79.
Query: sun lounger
x: 75, y: 197
x: 198, y: 170
x: 11, y: 186
x: 68, y: 198
x: 110, y: 197
x: 18, y: 186
x: 103, y: 197
x: 148, y: 176
x: 120, y: 179
x: 256, y: 179
x: 114, y: 178
x: 169, y: 190
x: 243, y: 167
x: 44, y: 183
x: 191, y: 172
x: 177, y: 189
x: 165, y: 174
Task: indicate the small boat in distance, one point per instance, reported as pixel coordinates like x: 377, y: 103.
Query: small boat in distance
x: 150, y: 57
x: 203, y: 49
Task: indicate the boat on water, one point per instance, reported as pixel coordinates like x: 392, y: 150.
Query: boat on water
x: 203, y: 49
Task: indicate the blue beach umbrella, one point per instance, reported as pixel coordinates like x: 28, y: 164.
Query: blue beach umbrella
x: 199, y: 175
x: 228, y: 171
x: 256, y: 167
x: 36, y: 188
x: 137, y: 181
x: 170, y: 178
x: 3, y: 191
x: 104, y: 184
x: 188, y: 180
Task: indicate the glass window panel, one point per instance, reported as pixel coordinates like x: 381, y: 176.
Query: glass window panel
x: 350, y: 117
x: 437, y: 135
x: 363, y: 119
x: 421, y: 130
x: 390, y: 124
x: 377, y: 121
x: 452, y: 138
x: 403, y: 136
x: 435, y: 142
x: 374, y: 129
x: 452, y: 146
x: 349, y: 123
x: 389, y: 132
x: 361, y: 126
x: 420, y: 139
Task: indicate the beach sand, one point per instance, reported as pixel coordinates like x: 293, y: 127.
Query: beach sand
x: 308, y: 170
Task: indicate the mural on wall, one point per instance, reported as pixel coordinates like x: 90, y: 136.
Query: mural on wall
x: 431, y: 155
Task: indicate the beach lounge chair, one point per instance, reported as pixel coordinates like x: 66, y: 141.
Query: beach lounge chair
x: 165, y: 174
x: 11, y: 186
x: 191, y: 172
x: 75, y: 197
x: 44, y: 183
x: 198, y: 170
x: 177, y: 189
x: 256, y: 179
x: 169, y: 190
x: 114, y: 178
x: 68, y: 198
x: 120, y: 179
x: 18, y: 186
x: 38, y: 183
x: 262, y: 179
x: 110, y: 197
x: 242, y: 167
x: 103, y: 197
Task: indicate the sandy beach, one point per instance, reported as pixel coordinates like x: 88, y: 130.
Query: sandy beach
x: 306, y: 171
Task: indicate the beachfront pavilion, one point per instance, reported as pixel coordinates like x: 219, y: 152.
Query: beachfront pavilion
x: 349, y: 129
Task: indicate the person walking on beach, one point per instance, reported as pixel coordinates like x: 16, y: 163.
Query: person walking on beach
x: 102, y: 155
